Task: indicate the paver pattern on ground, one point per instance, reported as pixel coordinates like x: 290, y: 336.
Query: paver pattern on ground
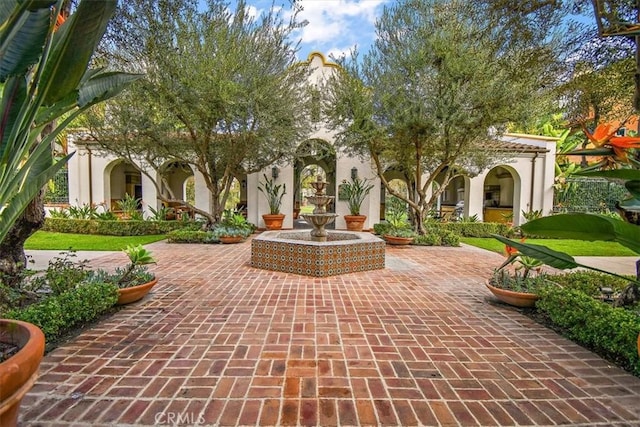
x: 418, y: 343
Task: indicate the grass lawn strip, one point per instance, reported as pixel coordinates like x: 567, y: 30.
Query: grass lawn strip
x: 571, y: 247
x: 44, y: 240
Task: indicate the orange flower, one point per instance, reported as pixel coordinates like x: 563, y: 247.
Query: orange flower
x: 624, y: 142
x: 601, y: 135
x: 510, y: 250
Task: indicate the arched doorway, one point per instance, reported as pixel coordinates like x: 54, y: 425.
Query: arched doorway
x: 501, y: 195
x: 121, y: 178
x: 451, y: 203
x: 314, y: 157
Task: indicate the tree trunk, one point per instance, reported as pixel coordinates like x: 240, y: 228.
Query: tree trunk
x: 12, y: 257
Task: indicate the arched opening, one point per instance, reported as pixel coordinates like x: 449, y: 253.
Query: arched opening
x: 451, y: 203
x: 398, y: 182
x: 501, y: 192
x: 315, y: 157
x: 178, y: 183
x: 121, y: 179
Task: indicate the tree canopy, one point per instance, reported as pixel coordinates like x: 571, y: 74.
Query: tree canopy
x: 222, y: 91
x: 442, y: 81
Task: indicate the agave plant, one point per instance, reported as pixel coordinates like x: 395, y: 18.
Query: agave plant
x: 45, y: 79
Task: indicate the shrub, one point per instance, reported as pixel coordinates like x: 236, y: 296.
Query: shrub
x: 191, y: 236
x: 611, y: 332
x: 62, y: 274
x: 476, y: 229
x: 114, y: 228
x: 381, y: 228
x: 589, y: 282
x: 58, y: 314
x: 437, y: 236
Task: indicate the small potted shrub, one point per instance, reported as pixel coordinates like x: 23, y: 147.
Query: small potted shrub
x: 518, y: 287
x: 134, y: 280
x: 355, y: 191
x: 128, y: 207
x: 274, y: 194
x: 234, y: 228
x: 399, y: 231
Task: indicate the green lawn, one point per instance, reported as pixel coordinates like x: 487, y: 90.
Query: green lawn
x: 85, y: 242
x: 571, y: 247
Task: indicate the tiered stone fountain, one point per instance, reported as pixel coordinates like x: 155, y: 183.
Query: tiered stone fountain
x: 317, y: 253
x: 319, y: 218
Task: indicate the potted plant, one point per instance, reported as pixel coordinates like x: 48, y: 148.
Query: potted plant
x: 128, y: 207
x: 134, y: 280
x: 399, y: 231
x: 355, y: 192
x: 234, y: 228
x: 21, y: 350
x: 518, y: 287
x: 274, y: 194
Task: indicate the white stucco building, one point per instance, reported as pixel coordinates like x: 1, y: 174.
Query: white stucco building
x: 524, y: 183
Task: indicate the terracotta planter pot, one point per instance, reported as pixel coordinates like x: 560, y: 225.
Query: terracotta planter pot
x: 395, y: 240
x: 134, y: 293
x: 231, y: 239
x: 273, y: 221
x: 355, y: 222
x: 20, y: 371
x: 517, y: 299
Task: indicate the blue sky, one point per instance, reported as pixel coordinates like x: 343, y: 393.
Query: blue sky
x: 334, y: 26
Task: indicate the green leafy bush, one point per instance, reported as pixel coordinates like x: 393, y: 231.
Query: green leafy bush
x: 115, y: 228
x: 381, y: 228
x: 191, y: 236
x: 589, y: 282
x: 611, y: 332
x: 438, y: 237
x: 62, y: 274
x: 58, y: 314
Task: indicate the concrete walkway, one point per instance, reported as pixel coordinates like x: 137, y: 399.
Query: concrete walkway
x: 421, y: 342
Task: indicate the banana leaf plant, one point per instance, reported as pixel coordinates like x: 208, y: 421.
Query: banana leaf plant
x: 591, y: 227
x: 44, y: 78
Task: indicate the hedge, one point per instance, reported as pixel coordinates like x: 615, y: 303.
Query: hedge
x: 191, y: 236
x: 609, y: 331
x: 114, y: 228
x: 476, y: 229
x: 57, y: 315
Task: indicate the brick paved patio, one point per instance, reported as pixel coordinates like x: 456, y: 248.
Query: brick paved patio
x: 418, y: 343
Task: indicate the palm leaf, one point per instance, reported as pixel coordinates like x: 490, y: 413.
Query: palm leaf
x: 586, y: 227
x: 73, y: 45
x: 22, y: 47
x: 14, y: 207
x: 103, y: 86
x: 548, y: 256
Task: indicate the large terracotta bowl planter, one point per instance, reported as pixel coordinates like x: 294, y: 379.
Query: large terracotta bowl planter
x: 517, y: 299
x: 395, y: 240
x: 20, y: 371
x: 273, y: 221
x: 134, y: 293
x: 355, y: 222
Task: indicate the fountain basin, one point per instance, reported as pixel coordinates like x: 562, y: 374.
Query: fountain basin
x: 295, y: 252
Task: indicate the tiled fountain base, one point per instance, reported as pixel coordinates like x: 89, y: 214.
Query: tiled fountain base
x: 295, y: 252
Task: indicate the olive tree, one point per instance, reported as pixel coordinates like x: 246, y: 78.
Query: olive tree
x: 222, y: 92
x: 441, y: 83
